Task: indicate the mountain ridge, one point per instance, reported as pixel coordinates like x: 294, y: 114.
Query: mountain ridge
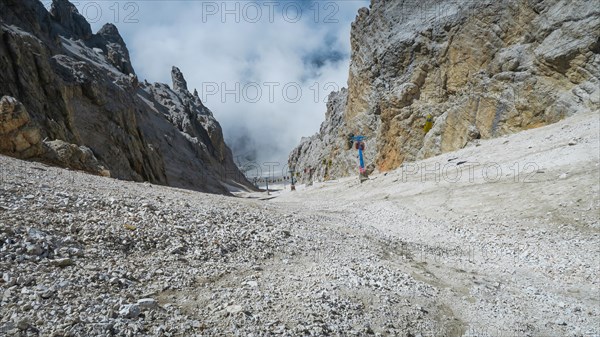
x: 82, y: 106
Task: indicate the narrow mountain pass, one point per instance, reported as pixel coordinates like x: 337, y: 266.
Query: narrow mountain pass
x: 399, y: 255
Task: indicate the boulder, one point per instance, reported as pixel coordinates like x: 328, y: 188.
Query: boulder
x: 18, y: 136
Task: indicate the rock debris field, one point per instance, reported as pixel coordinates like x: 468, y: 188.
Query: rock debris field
x: 82, y: 255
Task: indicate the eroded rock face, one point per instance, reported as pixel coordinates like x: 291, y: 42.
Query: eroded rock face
x: 481, y: 68
x: 192, y: 133
x: 18, y: 137
x: 330, y: 143
x: 81, y: 94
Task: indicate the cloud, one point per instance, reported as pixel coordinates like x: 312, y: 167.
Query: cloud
x: 292, y: 53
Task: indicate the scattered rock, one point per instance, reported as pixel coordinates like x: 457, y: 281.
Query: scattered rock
x: 147, y: 303
x: 252, y: 284
x: 9, y: 281
x: 130, y: 311
x: 24, y: 280
x: 61, y: 262
x: 34, y: 249
x: 23, y: 324
x: 234, y: 309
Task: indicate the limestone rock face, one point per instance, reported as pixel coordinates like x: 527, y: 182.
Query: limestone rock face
x: 482, y: 69
x: 330, y: 144
x: 192, y: 132
x: 79, y: 92
x: 18, y: 137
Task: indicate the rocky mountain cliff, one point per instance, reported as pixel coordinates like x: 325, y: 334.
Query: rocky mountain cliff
x: 482, y: 69
x: 71, y: 97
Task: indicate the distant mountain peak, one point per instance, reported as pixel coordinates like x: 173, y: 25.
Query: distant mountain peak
x: 110, y: 41
x: 67, y: 16
x: 179, y: 83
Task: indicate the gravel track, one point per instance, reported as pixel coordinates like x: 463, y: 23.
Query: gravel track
x: 86, y: 255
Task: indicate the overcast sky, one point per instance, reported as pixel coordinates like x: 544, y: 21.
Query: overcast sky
x: 264, y: 68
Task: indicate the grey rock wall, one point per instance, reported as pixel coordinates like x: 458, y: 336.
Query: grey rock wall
x: 482, y: 69
x: 78, y: 88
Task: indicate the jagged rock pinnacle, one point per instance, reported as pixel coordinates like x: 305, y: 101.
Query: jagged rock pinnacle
x: 179, y: 82
x: 67, y: 16
x: 111, y: 33
x: 115, y: 48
